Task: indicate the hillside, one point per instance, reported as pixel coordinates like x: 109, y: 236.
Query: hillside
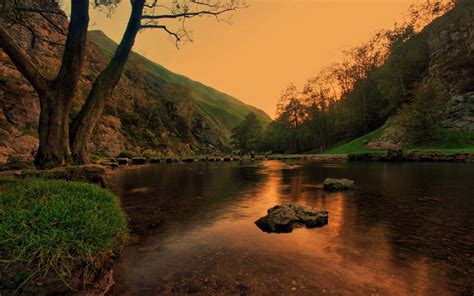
x: 153, y: 111
x: 222, y: 109
x: 439, y: 59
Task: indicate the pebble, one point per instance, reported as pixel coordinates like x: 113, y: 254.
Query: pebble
x: 293, y: 289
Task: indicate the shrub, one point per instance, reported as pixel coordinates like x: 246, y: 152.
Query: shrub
x: 422, y: 117
x: 57, y: 234
x: 126, y: 154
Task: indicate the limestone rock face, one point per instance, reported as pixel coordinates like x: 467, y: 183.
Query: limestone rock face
x: 338, y: 184
x: 284, y: 218
x: 450, y: 68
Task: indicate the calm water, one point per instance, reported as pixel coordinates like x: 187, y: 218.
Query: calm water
x: 406, y: 229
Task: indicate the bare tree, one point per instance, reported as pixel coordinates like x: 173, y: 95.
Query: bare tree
x: 60, y: 140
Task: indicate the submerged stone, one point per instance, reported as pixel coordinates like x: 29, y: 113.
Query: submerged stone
x: 284, y: 218
x: 338, y: 184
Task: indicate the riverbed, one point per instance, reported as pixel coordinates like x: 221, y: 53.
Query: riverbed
x: 406, y: 229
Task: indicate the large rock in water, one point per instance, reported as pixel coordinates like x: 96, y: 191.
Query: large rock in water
x: 283, y: 218
x: 338, y: 184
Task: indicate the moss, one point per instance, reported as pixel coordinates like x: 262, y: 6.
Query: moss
x: 56, y: 233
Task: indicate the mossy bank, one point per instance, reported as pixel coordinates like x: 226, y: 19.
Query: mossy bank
x: 57, y: 237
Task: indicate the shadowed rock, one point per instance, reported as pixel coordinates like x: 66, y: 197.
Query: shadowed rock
x: 138, y: 160
x: 338, y: 184
x: 283, y: 218
x: 122, y: 161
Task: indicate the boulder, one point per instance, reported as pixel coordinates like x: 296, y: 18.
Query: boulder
x: 139, y: 160
x: 155, y: 160
x: 122, y: 161
x: 338, y: 184
x: 284, y: 218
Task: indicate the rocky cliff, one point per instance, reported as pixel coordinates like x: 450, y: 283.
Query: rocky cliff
x: 449, y: 67
x: 153, y: 111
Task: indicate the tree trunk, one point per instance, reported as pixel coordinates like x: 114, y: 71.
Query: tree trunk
x: 56, y: 96
x: 53, y: 129
x: 102, y: 89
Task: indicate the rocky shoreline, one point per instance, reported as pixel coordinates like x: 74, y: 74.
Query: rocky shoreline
x: 412, y: 156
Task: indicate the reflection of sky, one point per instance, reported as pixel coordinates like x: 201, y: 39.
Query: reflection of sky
x: 352, y: 254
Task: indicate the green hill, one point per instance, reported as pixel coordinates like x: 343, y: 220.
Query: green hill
x: 223, y: 110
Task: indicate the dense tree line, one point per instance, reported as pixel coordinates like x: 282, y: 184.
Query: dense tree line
x: 355, y: 96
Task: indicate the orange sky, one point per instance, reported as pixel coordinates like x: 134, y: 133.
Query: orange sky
x: 267, y: 46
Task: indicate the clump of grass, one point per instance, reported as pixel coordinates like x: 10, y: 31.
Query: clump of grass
x: 57, y: 231
x: 126, y: 154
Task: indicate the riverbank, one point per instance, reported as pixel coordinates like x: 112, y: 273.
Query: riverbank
x: 58, y: 237
x: 412, y: 156
x: 122, y: 161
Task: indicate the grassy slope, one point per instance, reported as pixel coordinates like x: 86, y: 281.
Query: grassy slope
x: 222, y: 109
x: 356, y: 146
x: 444, y: 142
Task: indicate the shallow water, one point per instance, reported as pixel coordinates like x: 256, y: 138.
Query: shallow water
x: 406, y: 229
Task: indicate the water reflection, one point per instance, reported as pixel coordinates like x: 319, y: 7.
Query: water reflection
x: 406, y: 229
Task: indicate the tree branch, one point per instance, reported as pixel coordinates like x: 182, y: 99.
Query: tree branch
x: 177, y: 36
x: 73, y: 57
x: 23, y: 62
x: 187, y: 14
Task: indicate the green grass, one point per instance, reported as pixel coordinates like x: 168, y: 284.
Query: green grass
x: 358, y: 145
x: 445, y: 141
x: 63, y: 228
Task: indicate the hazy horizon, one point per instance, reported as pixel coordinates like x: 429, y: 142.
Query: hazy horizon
x: 267, y: 46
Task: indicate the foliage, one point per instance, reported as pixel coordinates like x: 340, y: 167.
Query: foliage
x: 355, y: 96
x: 422, y: 117
x: 58, y: 227
x: 125, y: 154
x: 246, y: 137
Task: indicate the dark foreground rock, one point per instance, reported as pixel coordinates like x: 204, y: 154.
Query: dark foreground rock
x: 284, y: 218
x: 338, y: 184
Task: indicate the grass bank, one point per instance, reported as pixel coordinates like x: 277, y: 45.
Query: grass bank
x: 358, y: 145
x: 56, y: 235
x: 444, y: 141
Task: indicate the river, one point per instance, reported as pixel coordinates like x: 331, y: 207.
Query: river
x: 406, y: 229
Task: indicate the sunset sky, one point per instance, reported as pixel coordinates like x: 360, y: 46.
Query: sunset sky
x: 267, y: 46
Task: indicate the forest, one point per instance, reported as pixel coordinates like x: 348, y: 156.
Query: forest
x: 380, y: 79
